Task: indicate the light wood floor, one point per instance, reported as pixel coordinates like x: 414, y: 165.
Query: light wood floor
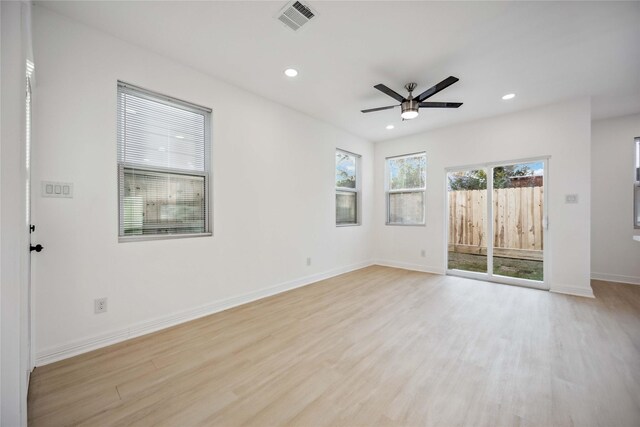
x: 379, y: 346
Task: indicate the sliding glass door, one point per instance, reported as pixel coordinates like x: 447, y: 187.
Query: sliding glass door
x: 498, y: 235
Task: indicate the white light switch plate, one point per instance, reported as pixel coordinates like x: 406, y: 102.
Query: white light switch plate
x: 571, y: 198
x: 57, y: 189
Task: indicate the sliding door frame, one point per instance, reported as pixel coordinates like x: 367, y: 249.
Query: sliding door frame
x: 489, y: 275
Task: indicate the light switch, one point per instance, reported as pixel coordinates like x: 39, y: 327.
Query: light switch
x: 57, y: 189
x: 571, y: 198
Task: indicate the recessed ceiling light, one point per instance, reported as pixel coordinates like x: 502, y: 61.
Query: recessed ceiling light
x: 179, y: 136
x: 291, y: 72
x: 389, y: 127
x: 509, y: 96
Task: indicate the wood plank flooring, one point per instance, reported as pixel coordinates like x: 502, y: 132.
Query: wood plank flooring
x: 378, y: 346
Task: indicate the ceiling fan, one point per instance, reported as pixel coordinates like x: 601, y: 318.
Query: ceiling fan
x: 410, y: 105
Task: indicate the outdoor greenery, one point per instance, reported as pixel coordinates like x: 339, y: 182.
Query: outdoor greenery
x: 477, y: 179
x: 407, y: 172
x: 345, y: 170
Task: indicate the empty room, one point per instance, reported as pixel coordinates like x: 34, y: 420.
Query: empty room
x: 320, y: 213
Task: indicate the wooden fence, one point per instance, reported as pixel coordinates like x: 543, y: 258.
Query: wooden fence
x: 517, y: 225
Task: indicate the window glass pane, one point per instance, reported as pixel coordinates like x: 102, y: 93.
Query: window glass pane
x: 407, y: 172
x: 345, y: 170
x: 637, y: 205
x: 406, y: 208
x: 636, y: 190
x: 467, y: 208
x: 154, y: 134
x: 638, y: 160
x: 346, y: 207
x: 162, y: 203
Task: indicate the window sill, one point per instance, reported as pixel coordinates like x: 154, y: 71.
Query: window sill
x: 143, y: 238
x: 405, y: 225
x: 348, y: 225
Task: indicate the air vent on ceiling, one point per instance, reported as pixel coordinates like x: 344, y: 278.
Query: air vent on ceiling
x: 295, y: 14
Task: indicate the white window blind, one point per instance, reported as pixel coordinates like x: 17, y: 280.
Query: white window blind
x: 406, y: 185
x: 163, y: 165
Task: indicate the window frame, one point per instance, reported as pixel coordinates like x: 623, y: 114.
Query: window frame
x: 389, y: 191
x: 355, y: 190
x: 121, y: 166
x: 636, y: 183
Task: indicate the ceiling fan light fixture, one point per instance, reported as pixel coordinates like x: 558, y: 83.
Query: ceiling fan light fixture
x: 409, y: 109
x: 409, y: 114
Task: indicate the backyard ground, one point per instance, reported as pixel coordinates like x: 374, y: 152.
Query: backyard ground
x: 521, y: 268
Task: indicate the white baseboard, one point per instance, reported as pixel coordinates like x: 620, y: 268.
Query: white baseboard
x: 409, y: 266
x: 54, y: 354
x: 573, y: 290
x: 630, y: 280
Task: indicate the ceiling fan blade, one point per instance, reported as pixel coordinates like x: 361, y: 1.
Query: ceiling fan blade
x: 440, y: 104
x: 437, y: 88
x: 395, y: 95
x: 371, y: 110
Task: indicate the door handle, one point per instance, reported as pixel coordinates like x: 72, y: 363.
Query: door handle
x: 37, y: 248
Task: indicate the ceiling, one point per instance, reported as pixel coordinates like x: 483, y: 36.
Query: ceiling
x: 544, y: 52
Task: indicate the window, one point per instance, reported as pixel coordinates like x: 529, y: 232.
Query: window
x: 406, y: 185
x: 347, y: 188
x: 636, y: 187
x: 163, y: 166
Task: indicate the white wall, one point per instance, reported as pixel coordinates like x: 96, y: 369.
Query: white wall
x: 614, y: 255
x: 14, y: 353
x: 273, y: 197
x: 561, y: 131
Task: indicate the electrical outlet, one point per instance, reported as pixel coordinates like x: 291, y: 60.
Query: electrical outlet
x: 423, y: 253
x: 308, y: 261
x: 100, y: 305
